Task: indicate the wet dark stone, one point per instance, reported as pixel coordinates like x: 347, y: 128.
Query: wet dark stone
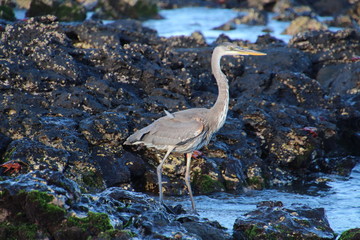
x: 351, y: 234
x: 4, y: 142
x: 340, y: 46
x: 64, y: 10
x: 206, y: 231
x: 107, y: 127
x: 38, y: 156
x: 7, y: 13
x: 113, y: 168
x: 335, y: 165
x: 272, y: 220
x: 253, y: 17
x: 326, y: 8
x: 125, y: 9
x: 268, y: 40
x: 339, y: 79
x: 129, y: 211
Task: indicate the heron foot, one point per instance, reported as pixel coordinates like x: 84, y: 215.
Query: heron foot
x: 176, y: 210
x: 194, y: 212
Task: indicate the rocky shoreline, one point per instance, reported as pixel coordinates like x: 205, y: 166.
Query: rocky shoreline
x: 71, y: 94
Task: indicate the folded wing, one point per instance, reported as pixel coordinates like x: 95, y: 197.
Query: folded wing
x: 170, y: 130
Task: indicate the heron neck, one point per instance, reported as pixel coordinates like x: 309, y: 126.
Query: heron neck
x: 219, y: 110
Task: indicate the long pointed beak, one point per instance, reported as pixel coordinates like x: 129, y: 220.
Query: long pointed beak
x: 244, y: 51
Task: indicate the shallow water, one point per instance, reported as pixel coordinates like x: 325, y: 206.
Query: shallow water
x: 184, y: 21
x: 340, y: 197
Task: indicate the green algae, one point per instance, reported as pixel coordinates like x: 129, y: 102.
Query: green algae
x: 18, y: 231
x: 350, y: 234
x: 93, y: 223
x: 40, y: 202
x: 206, y: 184
x: 7, y: 13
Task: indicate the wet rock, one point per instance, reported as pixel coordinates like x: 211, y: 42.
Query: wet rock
x: 7, y: 13
x: 343, y: 21
x: 335, y: 60
x: 4, y: 142
x: 42, y: 199
x: 302, y: 24
x: 287, y: 13
x: 268, y: 40
x: 335, y: 165
x: 349, y: 128
x: 226, y: 26
x: 106, y: 128
x: 315, y: 42
x: 139, y: 9
x: 48, y: 181
x: 137, y: 168
x: 351, y: 234
x: 325, y: 8
x: 93, y: 34
x: 266, y: 5
x: 253, y: 17
x: 44, y: 195
x: 67, y: 10
x: 43, y: 71
x: 344, y: 78
x: 272, y: 220
x: 206, y: 230
x: 38, y: 156
x: 114, y: 170
x: 58, y: 132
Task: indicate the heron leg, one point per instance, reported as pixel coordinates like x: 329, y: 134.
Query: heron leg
x: 159, y: 171
x: 187, y: 180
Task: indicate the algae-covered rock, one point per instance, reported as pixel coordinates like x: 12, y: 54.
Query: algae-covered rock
x: 351, y: 234
x: 138, y: 9
x: 273, y: 221
x: 7, y: 13
x: 64, y: 10
x: 45, y: 204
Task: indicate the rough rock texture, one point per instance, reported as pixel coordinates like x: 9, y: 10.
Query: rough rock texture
x: 79, y: 91
x: 138, y: 9
x: 303, y: 24
x: 45, y: 204
x: 328, y: 8
x: 350, y: 234
x: 65, y: 10
x: 253, y: 17
x: 273, y: 221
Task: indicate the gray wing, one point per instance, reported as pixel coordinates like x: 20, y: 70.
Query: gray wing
x: 170, y: 130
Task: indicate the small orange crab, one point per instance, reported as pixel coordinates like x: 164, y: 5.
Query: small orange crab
x: 12, y: 166
x: 197, y: 154
x: 312, y: 130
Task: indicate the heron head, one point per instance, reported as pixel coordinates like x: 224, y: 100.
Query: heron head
x: 232, y: 49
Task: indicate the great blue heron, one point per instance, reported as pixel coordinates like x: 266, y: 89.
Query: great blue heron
x: 188, y: 130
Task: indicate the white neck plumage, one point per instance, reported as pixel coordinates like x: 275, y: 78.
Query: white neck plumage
x: 219, y: 110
